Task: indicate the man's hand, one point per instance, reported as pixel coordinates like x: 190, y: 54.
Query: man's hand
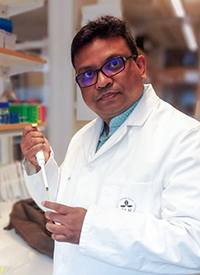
x: 32, y: 141
x: 70, y: 221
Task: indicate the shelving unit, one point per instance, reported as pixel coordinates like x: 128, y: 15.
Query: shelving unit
x: 177, y: 75
x: 12, y: 63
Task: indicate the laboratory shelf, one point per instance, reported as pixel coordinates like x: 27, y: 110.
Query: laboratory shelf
x: 18, y: 126
x: 178, y: 75
x: 15, y: 62
x: 9, y: 8
x: 9, y: 58
x: 12, y: 63
x: 16, y: 129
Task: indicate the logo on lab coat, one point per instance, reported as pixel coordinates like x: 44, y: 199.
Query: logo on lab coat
x: 127, y: 204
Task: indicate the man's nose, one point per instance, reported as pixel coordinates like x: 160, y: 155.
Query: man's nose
x: 103, y: 80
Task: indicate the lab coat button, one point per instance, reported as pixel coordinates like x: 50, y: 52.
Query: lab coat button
x: 91, y: 167
x: 63, y: 259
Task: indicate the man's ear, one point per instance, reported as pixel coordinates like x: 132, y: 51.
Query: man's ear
x: 141, y: 62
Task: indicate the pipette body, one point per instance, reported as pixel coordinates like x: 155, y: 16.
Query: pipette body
x: 41, y: 162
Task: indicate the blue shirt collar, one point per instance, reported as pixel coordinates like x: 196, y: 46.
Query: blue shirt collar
x: 116, y: 122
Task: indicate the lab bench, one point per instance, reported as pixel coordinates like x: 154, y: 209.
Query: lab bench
x: 23, y: 259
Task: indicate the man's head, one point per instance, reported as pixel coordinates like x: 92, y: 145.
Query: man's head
x: 108, y: 69
x: 103, y: 27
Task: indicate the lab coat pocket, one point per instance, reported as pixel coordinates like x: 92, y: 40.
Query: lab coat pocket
x: 128, y: 196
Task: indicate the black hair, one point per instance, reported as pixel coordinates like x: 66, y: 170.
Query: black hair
x: 103, y: 27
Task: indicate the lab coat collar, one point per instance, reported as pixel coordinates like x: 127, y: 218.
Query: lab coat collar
x: 144, y: 108
x: 136, y: 119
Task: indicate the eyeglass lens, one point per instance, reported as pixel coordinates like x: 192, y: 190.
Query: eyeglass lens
x: 114, y: 66
x: 111, y: 68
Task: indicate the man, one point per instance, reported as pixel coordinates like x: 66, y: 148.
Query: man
x: 128, y: 192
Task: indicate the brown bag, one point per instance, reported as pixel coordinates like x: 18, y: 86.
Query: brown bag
x: 29, y: 221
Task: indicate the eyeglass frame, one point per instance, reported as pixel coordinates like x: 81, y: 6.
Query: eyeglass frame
x: 124, y: 59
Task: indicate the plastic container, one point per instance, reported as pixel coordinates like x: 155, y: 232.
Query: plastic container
x: 14, y: 118
x: 32, y: 113
x: 6, y: 25
x: 39, y: 113
x: 4, y: 112
x: 43, y: 113
x: 21, y: 109
x: 29, y: 112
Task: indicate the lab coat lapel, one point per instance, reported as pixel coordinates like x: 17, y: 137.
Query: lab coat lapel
x: 136, y: 119
x: 116, y: 137
x: 91, y: 138
x: 146, y: 105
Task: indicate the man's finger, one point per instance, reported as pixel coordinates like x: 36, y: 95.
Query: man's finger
x: 28, y: 129
x: 59, y: 208
x: 54, y: 216
x: 55, y: 228
x: 59, y: 238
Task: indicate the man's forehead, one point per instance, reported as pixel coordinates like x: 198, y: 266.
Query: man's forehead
x: 100, y: 50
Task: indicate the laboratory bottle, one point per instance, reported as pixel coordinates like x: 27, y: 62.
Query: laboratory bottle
x: 4, y: 112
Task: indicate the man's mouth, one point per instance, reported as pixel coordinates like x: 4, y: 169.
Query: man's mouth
x: 107, y: 96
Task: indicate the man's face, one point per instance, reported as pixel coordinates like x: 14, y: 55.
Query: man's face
x: 110, y: 96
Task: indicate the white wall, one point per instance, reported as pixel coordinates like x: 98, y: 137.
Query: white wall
x: 61, y: 76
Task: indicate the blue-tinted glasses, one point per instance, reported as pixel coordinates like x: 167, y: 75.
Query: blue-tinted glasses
x: 110, y: 68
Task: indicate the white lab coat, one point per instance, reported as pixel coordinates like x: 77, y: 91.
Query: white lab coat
x: 141, y: 190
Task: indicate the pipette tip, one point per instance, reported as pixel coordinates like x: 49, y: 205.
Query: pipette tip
x: 47, y: 189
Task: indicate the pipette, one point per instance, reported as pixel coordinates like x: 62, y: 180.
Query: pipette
x: 41, y: 162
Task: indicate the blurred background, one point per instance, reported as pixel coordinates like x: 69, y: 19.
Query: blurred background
x: 167, y: 32
x: 37, y: 83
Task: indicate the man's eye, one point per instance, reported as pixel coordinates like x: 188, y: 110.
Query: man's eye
x: 114, y: 63
x: 89, y: 74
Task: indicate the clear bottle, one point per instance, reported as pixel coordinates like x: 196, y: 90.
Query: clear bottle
x: 4, y: 112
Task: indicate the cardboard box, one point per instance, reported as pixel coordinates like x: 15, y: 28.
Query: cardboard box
x: 10, y: 41
x: 2, y: 38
